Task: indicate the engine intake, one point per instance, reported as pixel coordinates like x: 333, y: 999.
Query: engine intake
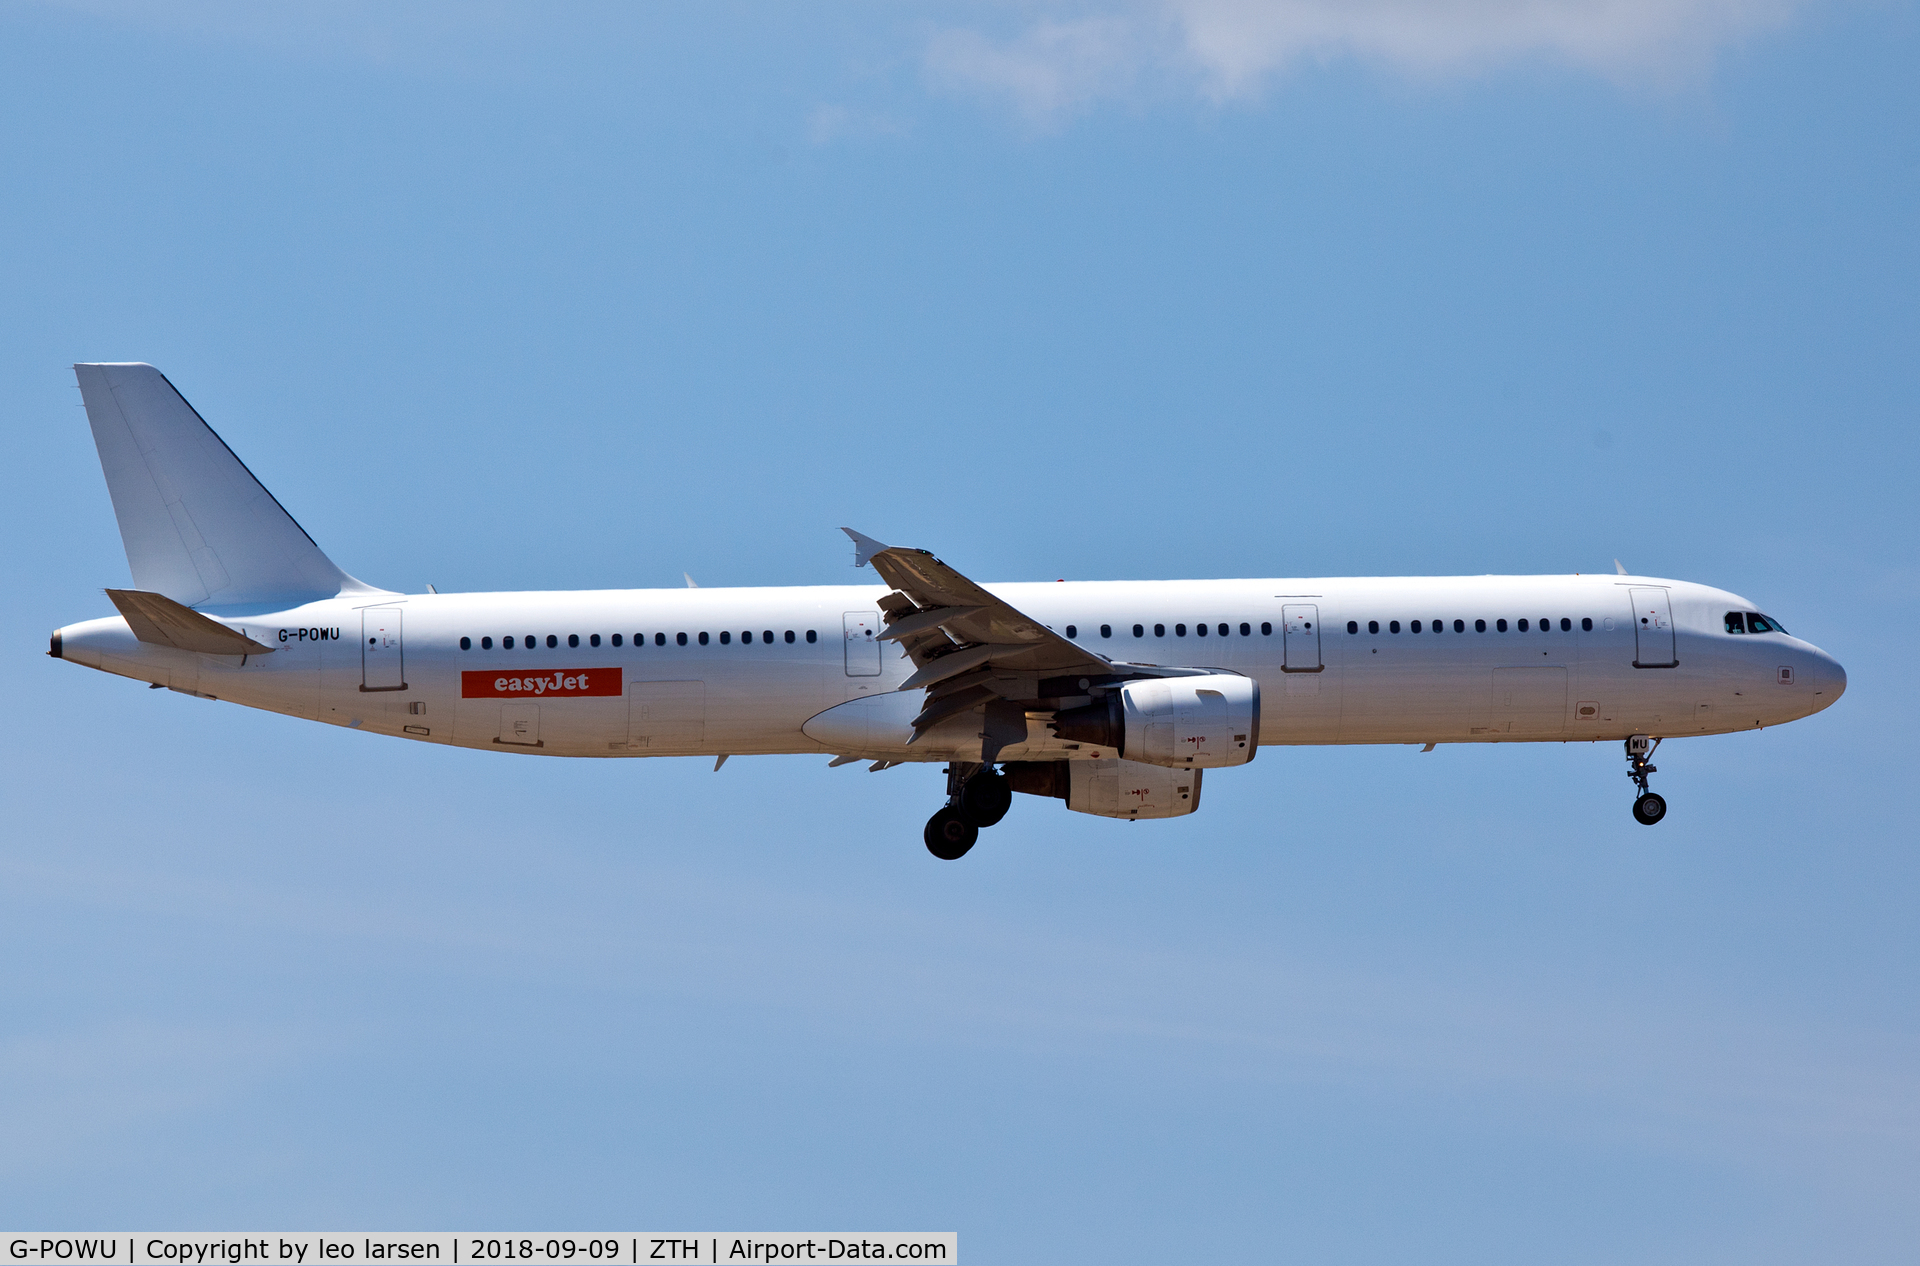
x: 1201, y: 722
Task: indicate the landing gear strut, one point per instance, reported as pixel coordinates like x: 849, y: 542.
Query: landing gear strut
x: 977, y: 796
x: 1650, y: 807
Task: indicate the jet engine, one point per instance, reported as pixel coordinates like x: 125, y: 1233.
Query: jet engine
x: 1201, y: 722
x: 1110, y: 788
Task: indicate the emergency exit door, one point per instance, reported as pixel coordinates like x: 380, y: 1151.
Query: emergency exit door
x: 861, y: 630
x: 1300, y: 626
x: 1652, y: 629
x: 382, y: 666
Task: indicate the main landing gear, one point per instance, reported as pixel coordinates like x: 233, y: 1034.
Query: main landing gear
x: 977, y: 796
x: 1651, y: 806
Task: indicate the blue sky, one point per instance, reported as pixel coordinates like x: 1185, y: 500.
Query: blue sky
x: 497, y: 299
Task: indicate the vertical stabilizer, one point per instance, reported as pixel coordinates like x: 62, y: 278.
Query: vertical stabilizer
x: 197, y: 525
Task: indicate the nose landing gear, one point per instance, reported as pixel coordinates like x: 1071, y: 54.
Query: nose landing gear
x: 977, y: 796
x: 1650, y: 807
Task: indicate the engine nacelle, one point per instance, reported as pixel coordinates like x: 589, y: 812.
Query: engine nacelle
x: 1201, y: 722
x: 1110, y: 788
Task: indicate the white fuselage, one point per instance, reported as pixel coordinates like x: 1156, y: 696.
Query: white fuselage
x: 398, y: 665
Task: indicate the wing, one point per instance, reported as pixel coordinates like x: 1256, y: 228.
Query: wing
x: 968, y: 647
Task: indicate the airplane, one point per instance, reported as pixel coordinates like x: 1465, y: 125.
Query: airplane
x: 1113, y: 696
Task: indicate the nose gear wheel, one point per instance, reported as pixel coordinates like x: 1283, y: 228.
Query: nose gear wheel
x: 1650, y: 806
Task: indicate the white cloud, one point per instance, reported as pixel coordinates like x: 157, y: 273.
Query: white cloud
x: 1228, y: 49
x: 1046, y: 69
x: 829, y: 123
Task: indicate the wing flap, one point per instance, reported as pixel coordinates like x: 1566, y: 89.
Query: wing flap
x: 969, y: 648
x: 954, y: 617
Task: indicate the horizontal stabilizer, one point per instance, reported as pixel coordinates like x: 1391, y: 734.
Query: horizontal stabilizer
x: 160, y: 621
x: 197, y: 525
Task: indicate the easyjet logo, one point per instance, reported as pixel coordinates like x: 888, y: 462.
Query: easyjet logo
x: 564, y: 683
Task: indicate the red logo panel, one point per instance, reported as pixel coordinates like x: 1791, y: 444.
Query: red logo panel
x: 560, y: 683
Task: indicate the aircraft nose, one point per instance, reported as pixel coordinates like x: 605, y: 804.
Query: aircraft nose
x: 1829, y: 679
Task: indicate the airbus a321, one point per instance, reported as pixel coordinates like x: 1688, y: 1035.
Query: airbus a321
x: 1115, y: 697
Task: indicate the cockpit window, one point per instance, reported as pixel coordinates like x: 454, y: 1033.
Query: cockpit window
x: 1757, y: 623
x: 1736, y: 623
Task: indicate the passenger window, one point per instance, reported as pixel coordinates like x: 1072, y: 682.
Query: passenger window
x: 703, y: 637
x: 812, y: 635
x: 1106, y: 630
x: 466, y: 643
x: 1200, y: 629
x: 1546, y: 626
x: 1459, y: 626
x: 573, y: 639
x: 1373, y: 626
x: 1523, y: 626
x: 1246, y: 630
x: 1479, y: 626
x: 529, y: 641
x: 486, y: 643
x: 1222, y: 630
x: 725, y: 638
x: 1179, y: 630
x: 1566, y: 625
x: 1736, y: 623
x: 1501, y: 625
x: 766, y: 635
x: 1138, y: 631
x: 552, y: 641
x: 507, y: 642
x: 1586, y: 624
x: 1073, y: 630
x: 789, y: 637
x: 594, y: 640
x: 1415, y: 626
x: 660, y: 639
x: 1353, y: 626
x: 1393, y: 626
x: 616, y: 640
x: 680, y: 639
x: 1159, y: 630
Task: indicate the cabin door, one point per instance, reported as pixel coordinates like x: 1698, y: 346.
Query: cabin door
x: 381, y: 665
x: 1301, y: 626
x: 861, y: 630
x: 1652, y: 629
